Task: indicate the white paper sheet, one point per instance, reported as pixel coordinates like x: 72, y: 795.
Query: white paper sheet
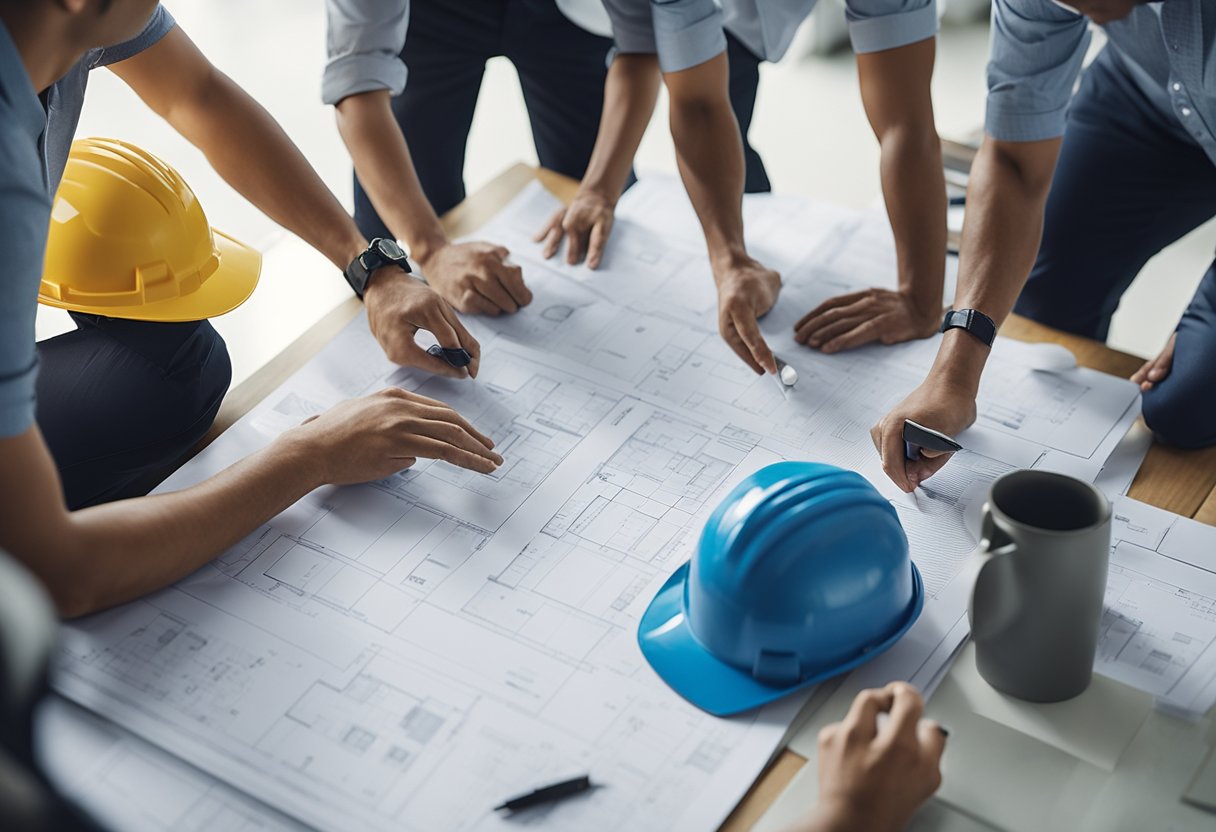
x: 405, y: 654
x: 1159, y: 627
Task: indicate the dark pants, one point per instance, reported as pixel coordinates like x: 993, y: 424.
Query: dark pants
x: 1128, y: 183
x: 561, y: 69
x: 120, y: 400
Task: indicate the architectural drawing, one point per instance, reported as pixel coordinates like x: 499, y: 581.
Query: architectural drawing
x: 404, y: 654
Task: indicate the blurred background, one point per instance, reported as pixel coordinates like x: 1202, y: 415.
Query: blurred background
x: 809, y: 127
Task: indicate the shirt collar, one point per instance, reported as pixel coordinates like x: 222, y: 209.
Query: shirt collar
x: 17, y: 89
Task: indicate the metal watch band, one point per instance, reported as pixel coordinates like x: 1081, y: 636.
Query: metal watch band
x: 972, y: 320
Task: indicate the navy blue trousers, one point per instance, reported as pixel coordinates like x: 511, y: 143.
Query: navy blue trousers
x: 561, y: 69
x: 119, y: 401
x: 1128, y: 183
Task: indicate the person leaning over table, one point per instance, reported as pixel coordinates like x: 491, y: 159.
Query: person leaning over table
x: 1096, y: 184
x: 183, y: 367
x: 688, y: 41
x: 404, y: 77
x: 102, y: 555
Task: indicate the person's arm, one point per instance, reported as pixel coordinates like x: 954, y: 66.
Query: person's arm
x: 101, y: 556
x: 473, y: 277
x: 895, y: 92
x: 709, y: 154
x: 1006, y: 196
x: 874, y: 777
x: 249, y: 149
x: 630, y: 92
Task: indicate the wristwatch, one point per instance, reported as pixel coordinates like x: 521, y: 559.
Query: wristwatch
x: 380, y: 253
x: 972, y: 320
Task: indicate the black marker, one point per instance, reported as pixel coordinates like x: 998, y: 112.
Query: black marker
x: 548, y: 794
x: 456, y: 357
x: 918, y: 436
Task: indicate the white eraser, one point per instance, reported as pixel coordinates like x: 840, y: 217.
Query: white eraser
x: 789, y: 376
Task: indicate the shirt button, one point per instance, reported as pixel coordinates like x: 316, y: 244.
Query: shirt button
x: 1177, y: 87
x: 1186, y: 111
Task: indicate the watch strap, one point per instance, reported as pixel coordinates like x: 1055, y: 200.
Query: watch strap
x: 972, y: 320
x: 372, y: 258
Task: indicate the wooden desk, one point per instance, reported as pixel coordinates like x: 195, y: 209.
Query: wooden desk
x: 1183, y: 482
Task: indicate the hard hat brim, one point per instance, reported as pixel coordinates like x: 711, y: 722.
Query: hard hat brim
x: 230, y: 286
x: 714, y: 686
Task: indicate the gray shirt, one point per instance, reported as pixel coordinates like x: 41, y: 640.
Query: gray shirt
x: 1169, y: 52
x: 34, y: 146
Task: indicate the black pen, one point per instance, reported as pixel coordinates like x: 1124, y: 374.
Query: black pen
x: 547, y: 794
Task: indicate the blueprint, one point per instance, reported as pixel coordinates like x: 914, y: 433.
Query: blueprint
x: 406, y: 654
x: 1159, y: 625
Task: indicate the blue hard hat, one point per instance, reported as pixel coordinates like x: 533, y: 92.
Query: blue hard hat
x: 802, y: 573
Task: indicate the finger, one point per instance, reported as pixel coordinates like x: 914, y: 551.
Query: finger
x: 862, y: 719
x: 554, y: 223
x: 455, y: 435
x: 599, y: 238
x: 413, y: 355
x: 443, y: 413
x: 919, y: 470
x: 749, y: 331
x: 467, y: 342
x: 554, y: 240
x: 435, y: 449
x: 731, y: 336
x: 1142, y: 374
x: 497, y: 295
x: 890, y: 445
x: 501, y: 251
x: 866, y: 333
x: 819, y: 328
x: 575, y: 243
x: 828, y: 331
x: 476, y: 303
x: 512, y: 279
x: 831, y: 303
x: 932, y: 738
x: 906, y: 710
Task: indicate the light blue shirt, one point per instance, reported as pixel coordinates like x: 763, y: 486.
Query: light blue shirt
x: 685, y: 33
x: 25, y: 215
x: 364, y: 40
x: 1169, y: 52
x: 34, y: 146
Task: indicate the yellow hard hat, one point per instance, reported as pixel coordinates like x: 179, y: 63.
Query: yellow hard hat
x: 128, y: 239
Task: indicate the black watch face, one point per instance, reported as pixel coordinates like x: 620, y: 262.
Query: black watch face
x: 389, y: 249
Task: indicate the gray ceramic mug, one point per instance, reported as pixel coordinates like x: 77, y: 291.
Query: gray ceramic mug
x: 1037, y: 603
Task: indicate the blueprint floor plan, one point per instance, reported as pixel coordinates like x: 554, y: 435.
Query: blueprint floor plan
x: 405, y: 654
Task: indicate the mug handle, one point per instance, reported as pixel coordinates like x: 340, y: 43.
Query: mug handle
x: 994, y: 541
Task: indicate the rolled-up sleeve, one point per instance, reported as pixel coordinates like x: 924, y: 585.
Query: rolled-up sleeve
x: 683, y: 33
x: 878, y: 25
x: 364, y: 40
x: 1037, y: 52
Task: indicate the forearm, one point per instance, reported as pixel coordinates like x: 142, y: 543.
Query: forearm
x: 709, y: 153
x: 101, y: 556
x: 248, y: 148
x: 386, y: 170
x: 1006, y: 195
x: 914, y: 189
x: 630, y: 93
